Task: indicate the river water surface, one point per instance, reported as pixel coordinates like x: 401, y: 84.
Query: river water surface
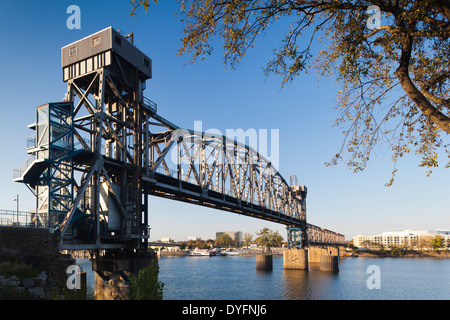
x: 236, y: 278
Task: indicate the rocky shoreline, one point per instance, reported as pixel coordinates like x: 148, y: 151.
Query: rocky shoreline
x: 35, y: 288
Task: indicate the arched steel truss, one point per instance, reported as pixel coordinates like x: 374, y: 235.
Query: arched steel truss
x: 219, y: 172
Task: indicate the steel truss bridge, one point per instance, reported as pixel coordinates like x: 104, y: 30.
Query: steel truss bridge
x: 96, y: 157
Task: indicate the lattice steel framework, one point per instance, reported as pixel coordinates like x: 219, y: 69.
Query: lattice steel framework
x: 122, y: 151
x: 49, y: 171
x: 320, y: 236
x: 109, y: 159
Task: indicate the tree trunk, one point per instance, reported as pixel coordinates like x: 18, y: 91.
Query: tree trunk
x: 435, y: 116
x: 402, y: 73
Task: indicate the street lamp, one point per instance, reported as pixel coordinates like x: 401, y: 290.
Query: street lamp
x: 17, y: 199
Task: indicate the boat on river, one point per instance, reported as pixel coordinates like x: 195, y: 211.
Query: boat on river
x: 206, y: 252
x: 217, y: 252
x: 200, y: 252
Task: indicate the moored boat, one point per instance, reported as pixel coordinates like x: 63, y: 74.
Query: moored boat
x: 217, y: 252
x: 200, y: 252
x: 206, y: 252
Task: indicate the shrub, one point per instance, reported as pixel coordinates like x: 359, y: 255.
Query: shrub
x: 145, y: 286
x: 18, y: 269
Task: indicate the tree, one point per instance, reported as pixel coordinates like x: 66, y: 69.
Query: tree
x: 396, y: 250
x: 395, y: 76
x: 268, y: 238
x: 424, y: 242
x: 248, y: 237
x: 225, y: 241
x: 145, y: 285
x: 437, y: 242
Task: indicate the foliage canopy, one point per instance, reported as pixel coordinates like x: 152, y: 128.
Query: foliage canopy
x: 145, y: 285
x: 394, y: 77
x: 225, y: 241
x: 268, y: 238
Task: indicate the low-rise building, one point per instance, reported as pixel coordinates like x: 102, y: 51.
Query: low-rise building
x: 410, y: 238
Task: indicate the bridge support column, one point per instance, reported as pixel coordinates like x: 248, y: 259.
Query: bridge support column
x: 110, y: 286
x: 112, y: 272
x: 264, y: 260
x: 329, y: 263
x: 295, y: 258
x: 314, y: 254
x: 326, y: 259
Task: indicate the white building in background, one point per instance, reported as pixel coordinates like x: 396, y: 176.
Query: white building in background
x: 406, y: 238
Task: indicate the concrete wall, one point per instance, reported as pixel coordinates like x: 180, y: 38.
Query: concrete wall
x: 36, y: 247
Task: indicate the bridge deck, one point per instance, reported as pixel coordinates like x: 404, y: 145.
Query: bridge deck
x: 168, y: 187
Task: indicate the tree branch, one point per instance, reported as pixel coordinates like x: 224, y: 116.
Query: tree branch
x: 388, y: 28
x: 434, y: 115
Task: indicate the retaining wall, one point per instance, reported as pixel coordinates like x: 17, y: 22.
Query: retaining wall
x: 36, y: 247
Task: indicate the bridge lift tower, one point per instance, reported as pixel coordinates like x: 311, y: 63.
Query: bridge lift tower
x: 88, y: 154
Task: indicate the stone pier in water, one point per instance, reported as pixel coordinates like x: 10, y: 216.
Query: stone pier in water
x: 314, y: 258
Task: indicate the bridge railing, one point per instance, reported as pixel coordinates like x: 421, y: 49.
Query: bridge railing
x: 17, y: 173
x: 147, y: 103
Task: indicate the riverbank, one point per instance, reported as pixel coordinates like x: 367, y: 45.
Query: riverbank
x: 406, y: 254
x: 245, y: 253
x: 357, y: 253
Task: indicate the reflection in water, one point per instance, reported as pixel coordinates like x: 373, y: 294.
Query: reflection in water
x: 236, y: 278
x: 307, y: 285
x: 297, y: 285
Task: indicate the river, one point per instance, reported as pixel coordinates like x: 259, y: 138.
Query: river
x: 236, y: 278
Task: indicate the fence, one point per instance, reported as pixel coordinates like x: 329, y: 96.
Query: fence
x: 13, y: 218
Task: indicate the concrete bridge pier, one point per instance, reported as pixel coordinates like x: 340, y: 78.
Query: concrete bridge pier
x: 295, y: 258
x: 324, y: 258
x: 314, y: 258
x: 329, y: 263
x: 112, y: 273
x: 264, y: 260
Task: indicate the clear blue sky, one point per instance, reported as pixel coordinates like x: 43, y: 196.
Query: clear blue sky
x: 33, y: 32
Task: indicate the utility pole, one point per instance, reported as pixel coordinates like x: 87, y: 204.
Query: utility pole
x: 17, y: 212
